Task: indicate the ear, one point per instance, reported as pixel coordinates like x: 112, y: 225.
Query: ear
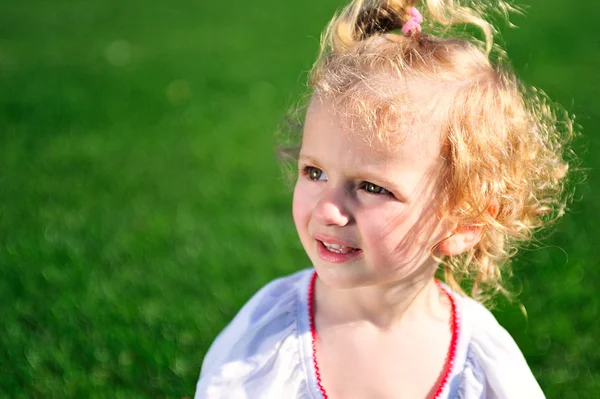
x: 466, y: 237
x: 462, y: 240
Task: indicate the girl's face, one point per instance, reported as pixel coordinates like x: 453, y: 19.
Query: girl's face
x: 367, y: 216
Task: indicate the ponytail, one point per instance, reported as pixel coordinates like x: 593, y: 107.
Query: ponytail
x: 362, y: 19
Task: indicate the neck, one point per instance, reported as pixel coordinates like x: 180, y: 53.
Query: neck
x: 383, y: 306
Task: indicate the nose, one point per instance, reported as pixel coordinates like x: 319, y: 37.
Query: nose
x: 330, y: 212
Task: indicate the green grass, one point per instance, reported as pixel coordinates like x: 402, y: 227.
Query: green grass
x: 141, y: 204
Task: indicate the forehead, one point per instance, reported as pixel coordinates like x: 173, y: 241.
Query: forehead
x: 329, y: 134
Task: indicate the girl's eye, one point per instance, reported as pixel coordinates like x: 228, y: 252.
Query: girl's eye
x: 374, y: 188
x: 315, y: 173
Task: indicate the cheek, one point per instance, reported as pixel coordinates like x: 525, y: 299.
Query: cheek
x: 394, y: 233
x: 300, y: 205
x: 387, y: 221
x: 382, y: 229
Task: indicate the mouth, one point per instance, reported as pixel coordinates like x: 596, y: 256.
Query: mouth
x: 337, y: 248
x: 335, y: 252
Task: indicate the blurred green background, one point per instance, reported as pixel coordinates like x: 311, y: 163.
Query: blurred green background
x: 141, y: 204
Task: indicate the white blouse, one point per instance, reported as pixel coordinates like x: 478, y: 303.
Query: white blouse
x: 267, y: 351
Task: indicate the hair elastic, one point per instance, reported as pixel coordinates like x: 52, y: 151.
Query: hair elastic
x: 413, y: 23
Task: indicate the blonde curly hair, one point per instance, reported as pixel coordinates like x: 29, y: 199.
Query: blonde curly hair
x: 504, y: 142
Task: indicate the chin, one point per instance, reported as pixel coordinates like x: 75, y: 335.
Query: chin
x: 342, y: 277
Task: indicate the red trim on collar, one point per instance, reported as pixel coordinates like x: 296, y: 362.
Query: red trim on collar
x: 313, y: 331
x: 450, y: 358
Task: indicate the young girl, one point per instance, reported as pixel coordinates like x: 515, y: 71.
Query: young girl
x: 417, y: 151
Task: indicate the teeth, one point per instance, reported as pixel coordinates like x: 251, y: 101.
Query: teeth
x: 338, y: 249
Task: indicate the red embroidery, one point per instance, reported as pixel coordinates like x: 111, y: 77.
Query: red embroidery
x: 313, y: 332
x: 453, y: 343
x: 450, y: 358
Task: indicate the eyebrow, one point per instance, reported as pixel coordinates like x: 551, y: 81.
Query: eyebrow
x: 308, y: 159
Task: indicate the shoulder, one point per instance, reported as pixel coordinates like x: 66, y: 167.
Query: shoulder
x: 263, y: 332
x: 495, y: 366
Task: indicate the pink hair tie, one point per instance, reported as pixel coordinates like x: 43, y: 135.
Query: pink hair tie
x: 413, y: 23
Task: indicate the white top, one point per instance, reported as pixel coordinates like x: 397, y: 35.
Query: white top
x: 266, y: 351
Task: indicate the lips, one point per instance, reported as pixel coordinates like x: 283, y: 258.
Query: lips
x: 338, y: 249
x: 333, y: 250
